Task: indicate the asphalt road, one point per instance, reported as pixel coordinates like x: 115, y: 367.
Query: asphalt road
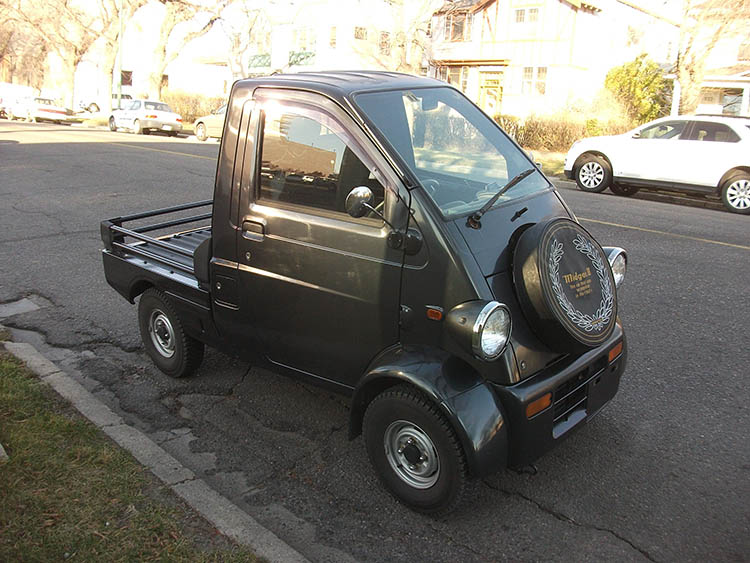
x: 661, y: 475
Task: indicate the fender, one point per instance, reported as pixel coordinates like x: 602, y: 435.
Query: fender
x: 464, y: 397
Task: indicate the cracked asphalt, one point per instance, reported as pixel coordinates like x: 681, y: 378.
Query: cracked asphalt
x: 660, y: 475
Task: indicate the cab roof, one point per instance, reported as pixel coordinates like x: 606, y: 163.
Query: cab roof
x: 340, y: 83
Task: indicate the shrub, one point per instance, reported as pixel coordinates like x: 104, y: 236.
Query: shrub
x: 641, y: 87
x: 191, y: 106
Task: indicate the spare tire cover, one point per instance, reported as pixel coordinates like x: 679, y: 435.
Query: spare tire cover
x: 565, y: 286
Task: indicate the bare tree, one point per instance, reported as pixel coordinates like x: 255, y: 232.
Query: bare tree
x: 704, y: 24
x: 201, y: 18
x: 246, y: 26
x: 22, y: 54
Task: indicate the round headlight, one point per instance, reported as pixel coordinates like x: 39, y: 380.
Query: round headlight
x: 619, y: 264
x: 491, y: 331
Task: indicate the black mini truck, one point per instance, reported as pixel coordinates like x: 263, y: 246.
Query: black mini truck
x: 378, y: 234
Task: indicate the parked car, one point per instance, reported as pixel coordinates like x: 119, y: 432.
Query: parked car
x: 701, y: 154
x: 437, y: 279
x: 210, y: 125
x: 145, y: 116
x: 93, y: 107
x: 42, y: 109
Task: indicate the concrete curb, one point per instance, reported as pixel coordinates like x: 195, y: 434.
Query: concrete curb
x: 229, y: 519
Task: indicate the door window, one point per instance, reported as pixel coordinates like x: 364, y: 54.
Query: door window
x: 307, y: 159
x: 663, y: 130
x: 717, y: 132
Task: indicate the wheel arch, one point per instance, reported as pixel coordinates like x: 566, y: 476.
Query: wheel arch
x: 460, y: 393
x: 138, y: 287
x: 729, y: 173
x: 577, y: 163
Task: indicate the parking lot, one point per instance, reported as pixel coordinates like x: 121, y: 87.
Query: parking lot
x: 660, y: 475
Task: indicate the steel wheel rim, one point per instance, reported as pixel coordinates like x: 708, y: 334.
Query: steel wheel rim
x: 738, y: 194
x: 411, y: 454
x: 162, y: 333
x: 591, y: 174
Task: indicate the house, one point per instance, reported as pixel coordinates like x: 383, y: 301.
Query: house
x: 725, y: 88
x: 520, y: 57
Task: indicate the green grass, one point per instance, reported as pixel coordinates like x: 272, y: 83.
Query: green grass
x: 68, y: 493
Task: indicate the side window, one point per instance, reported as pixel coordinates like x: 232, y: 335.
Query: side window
x: 305, y: 160
x: 717, y: 132
x: 135, y: 105
x: 663, y: 130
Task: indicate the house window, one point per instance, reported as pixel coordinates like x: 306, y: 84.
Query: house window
x: 533, y: 15
x: 165, y: 81
x: 360, y: 33
x: 458, y: 26
x: 528, y: 79
x: 332, y: 38
x: 534, y: 80
x: 385, y: 43
x: 126, y: 77
x: 744, y: 52
x: 520, y: 16
x: 541, y: 80
x: 457, y: 76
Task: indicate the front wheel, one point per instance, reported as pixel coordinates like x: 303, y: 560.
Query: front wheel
x: 735, y: 193
x: 174, y: 352
x: 200, y: 132
x: 627, y: 191
x: 415, y: 451
x: 112, y: 124
x: 593, y: 173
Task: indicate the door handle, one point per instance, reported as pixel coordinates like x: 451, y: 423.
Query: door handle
x: 253, y: 230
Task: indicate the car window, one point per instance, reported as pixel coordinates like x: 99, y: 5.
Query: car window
x: 222, y: 110
x: 663, y: 130
x: 156, y: 106
x: 306, y: 159
x: 135, y: 105
x: 708, y: 131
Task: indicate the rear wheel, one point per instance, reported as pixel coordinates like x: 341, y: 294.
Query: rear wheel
x: 627, y: 191
x: 735, y: 193
x: 415, y: 450
x: 174, y: 352
x: 593, y: 173
x: 137, y: 127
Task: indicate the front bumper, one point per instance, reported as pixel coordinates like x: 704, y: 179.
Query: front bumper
x: 579, y: 388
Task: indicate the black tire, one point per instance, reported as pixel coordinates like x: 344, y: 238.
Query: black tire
x: 200, y: 132
x: 137, y: 127
x: 735, y: 193
x: 174, y: 352
x: 593, y: 173
x: 112, y: 124
x: 438, y: 474
x: 172, y: 133
x: 625, y: 191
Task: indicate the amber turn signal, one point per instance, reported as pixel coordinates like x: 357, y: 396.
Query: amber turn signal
x: 539, y: 405
x: 616, y: 351
x: 434, y: 314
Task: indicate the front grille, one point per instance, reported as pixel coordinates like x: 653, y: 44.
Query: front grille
x: 570, y: 397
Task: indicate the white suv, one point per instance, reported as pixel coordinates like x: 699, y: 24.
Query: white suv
x: 696, y: 153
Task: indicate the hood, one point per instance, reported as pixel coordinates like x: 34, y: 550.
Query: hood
x: 490, y: 244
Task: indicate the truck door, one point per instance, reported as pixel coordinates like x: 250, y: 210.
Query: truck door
x: 320, y: 288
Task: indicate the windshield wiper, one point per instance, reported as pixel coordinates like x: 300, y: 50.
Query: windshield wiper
x: 474, y: 219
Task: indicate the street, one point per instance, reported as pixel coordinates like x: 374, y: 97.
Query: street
x: 660, y: 475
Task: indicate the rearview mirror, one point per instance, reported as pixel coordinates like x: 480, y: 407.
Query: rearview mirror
x: 358, y: 201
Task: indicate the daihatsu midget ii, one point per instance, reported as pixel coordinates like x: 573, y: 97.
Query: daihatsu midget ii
x: 378, y: 234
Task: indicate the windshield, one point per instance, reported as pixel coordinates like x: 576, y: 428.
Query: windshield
x: 458, y: 154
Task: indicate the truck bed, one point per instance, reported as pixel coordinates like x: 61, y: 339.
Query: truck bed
x: 176, y: 262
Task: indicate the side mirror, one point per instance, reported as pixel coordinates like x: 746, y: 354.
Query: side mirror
x: 358, y: 201
x: 637, y: 135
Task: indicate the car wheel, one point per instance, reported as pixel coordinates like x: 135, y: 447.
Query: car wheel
x: 172, y: 133
x: 415, y: 451
x: 200, y: 132
x: 174, y: 352
x: 112, y: 124
x: 735, y: 193
x: 593, y: 173
x: 146, y: 131
x: 137, y: 127
x: 627, y: 191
